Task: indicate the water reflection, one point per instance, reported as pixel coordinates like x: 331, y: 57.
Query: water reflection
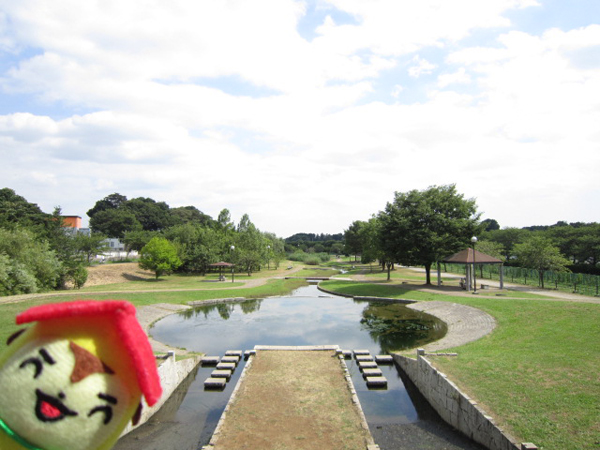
x: 399, y: 328
x: 223, y: 309
x: 300, y: 321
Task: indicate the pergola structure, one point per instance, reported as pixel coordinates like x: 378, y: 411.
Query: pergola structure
x: 220, y: 265
x: 470, y: 258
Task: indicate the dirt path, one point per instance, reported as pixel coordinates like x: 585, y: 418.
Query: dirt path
x: 293, y: 400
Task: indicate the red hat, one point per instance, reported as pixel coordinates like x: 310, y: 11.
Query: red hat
x: 130, y: 333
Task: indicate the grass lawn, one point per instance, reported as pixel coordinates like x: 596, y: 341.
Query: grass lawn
x: 537, y: 373
x: 166, y: 283
x: 315, y: 272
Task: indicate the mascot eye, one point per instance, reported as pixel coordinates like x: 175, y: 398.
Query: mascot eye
x: 37, y: 362
x: 105, y: 409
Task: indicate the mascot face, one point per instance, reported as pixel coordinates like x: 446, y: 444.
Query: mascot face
x: 61, y: 396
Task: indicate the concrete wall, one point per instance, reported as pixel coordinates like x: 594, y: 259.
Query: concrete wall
x: 171, y: 373
x: 455, y: 407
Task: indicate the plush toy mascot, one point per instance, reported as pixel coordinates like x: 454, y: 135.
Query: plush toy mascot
x: 74, y: 379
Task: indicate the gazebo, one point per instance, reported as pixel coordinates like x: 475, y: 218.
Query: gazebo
x: 470, y: 258
x: 220, y: 265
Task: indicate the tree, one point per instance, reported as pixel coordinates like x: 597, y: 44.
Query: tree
x: 276, y: 249
x: 189, y: 214
x: 490, y: 224
x: 135, y: 240
x: 114, y: 223
x: 352, y: 238
x: 112, y: 201
x: 369, y: 237
x: 90, y: 245
x: 224, y: 221
x: 159, y: 256
x: 250, y: 246
x: 538, y: 253
x: 491, y: 248
x: 208, y: 247
x: 27, y: 265
x: 15, y: 212
x: 152, y: 215
x: 422, y: 227
x: 508, y: 238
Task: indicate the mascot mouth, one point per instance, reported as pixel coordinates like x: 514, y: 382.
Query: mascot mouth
x: 51, y: 409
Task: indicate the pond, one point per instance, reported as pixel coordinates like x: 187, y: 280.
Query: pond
x: 307, y: 317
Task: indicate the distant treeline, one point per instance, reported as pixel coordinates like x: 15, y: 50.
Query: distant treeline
x: 315, y: 243
x: 578, y: 242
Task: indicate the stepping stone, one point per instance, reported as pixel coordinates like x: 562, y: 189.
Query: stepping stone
x: 372, y: 373
x: 226, y: 366
x: 361, y: 352
x: 249, y: 353
x: 363, y: 358
x: 384, y: 359
x: 210, y: 360
x: 221, y: 374
x: 215, y: 383
x: 230, y: 359
x: 346, y: 354
x: 377, y: 381
x: 367, y: 365
x: 237, y: 353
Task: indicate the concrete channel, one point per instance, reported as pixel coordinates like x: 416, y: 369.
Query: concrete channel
x: 465, y: 324
x: 341, y: 354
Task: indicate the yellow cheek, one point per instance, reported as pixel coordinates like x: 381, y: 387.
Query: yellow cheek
x: 93, y: 400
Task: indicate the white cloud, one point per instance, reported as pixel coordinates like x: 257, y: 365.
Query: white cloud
x: 514, y: 125
x: 421, y: 67
x: 459, y: 77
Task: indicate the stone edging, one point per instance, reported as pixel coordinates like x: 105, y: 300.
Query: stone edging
x: 454, y: 407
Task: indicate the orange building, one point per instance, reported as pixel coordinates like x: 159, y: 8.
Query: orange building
x: 71, y: 221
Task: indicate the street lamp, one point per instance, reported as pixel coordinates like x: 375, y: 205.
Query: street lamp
x: 232, y: 265
x: 474, y: 241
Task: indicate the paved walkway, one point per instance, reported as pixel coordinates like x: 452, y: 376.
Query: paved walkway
x: 495, y: 285
x: 465, y: 324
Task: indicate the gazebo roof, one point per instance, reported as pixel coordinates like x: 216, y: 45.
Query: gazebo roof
x: 466, y: 256
x: 221, y: 264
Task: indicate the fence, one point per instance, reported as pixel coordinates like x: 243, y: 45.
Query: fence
x: 579, y: 283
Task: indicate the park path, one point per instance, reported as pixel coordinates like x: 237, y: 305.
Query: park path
x: 552, y: 294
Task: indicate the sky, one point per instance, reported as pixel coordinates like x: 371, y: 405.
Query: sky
x: 305, y: 115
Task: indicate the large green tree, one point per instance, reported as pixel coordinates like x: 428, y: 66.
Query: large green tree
x: 153, y: 215
x: 352, y: 238
x: 112, y: 201
x: 538, y: 253
x: 189, y: 214
x: 114, y: 223
x: 251, y: 246
x: 422, y: 227
x: 508, y: 238
x: 16, y: 212
x: 160, y: 256
x: 90, y: 245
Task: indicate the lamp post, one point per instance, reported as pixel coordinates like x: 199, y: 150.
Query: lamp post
x: 474, y: 241
x: 268, y: 257
x: 232, y: 265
